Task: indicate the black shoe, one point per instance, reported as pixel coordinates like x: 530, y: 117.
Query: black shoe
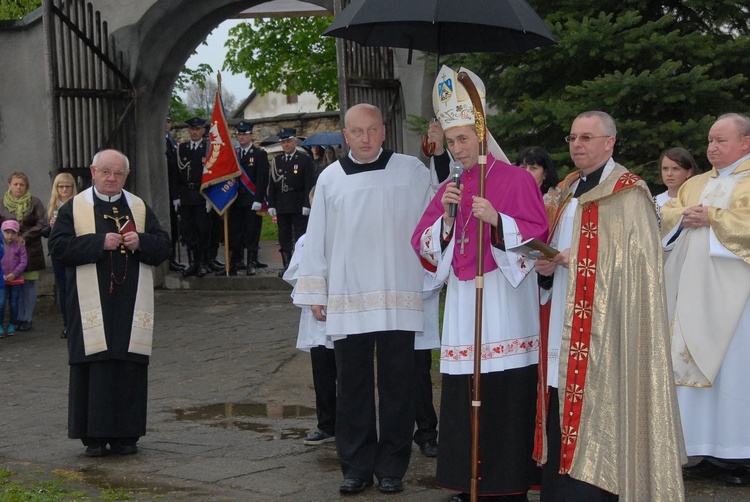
x: 191, y: 270
x: 215, y: 266
x: 250, y: 270
x: 391, y: 485
x: 202, y: 271
x: 429, y: 448
x: 704, y: 469
x: 24, y: 326
x: 460, y: 497
x: 319, y: 437
x: 242, y: 266
x: 96, y: 449
x: 739, y: 476
x: 352, y: 485
x: 223, y: 272
x: 124, y: 449
x: 176, y: 266
x: 260, y: 265
x: 64, y: 333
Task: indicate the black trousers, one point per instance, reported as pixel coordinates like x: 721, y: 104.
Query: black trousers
x: 173, y: 229
x: 324, y: 382
x: 558, y: 487
x: 241, y: 225
x: 424, y: 409
x: 253, y: 240
x: 291, y: 227
x: 196, y: 227
x: 362, y: 451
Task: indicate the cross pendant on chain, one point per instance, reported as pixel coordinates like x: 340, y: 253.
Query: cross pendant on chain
x: 463, y: 240
x: 117, y: 219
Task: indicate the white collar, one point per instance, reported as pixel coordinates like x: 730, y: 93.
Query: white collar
x: 726, y: 171
x: 107, y: 198
x: 380, y: 152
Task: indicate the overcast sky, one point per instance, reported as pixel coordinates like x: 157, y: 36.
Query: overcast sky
x: 214, y: 54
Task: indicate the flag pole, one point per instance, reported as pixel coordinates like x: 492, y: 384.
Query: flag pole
x: 225, y: 216
x: 476, y: 397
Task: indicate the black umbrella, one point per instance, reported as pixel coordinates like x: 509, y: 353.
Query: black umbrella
x: 443, y: 26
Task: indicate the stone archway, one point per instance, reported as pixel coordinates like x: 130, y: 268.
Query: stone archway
x: 160, y: 43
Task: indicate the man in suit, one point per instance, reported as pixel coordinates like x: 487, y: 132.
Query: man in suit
x: 292, y: 178
x: 243, y: 217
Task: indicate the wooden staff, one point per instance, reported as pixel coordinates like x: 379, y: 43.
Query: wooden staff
x: 476, y: 402
x: 225, y: 216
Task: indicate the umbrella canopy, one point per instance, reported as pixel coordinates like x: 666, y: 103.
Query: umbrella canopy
x: 325, y: 138
x: 443, y: 26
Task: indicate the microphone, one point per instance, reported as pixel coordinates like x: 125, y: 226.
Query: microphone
x: 456, y: 170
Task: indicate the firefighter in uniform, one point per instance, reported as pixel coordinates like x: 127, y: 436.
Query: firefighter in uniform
x: 195, y: 221
x: 292, y: 178
x: 243, y: 217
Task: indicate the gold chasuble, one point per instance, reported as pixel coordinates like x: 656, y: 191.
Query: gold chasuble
x: 702, y: 279
x: 89, y: 299
x: 619, y: 417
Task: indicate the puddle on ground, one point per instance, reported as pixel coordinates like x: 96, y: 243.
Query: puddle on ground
x: 129, y: 487
x: 235, y: 415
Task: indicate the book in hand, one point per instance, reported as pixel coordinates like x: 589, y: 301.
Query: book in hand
x: 535, y: 249
x: 127, y: 227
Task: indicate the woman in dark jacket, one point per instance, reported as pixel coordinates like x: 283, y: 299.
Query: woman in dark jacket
x: 20, y: 205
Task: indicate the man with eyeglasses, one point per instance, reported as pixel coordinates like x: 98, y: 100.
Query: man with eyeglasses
x: 607, y: 419
x: 109, y: 240
x: 359, y: 275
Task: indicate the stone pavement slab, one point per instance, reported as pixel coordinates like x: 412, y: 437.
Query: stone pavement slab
x: 230, y: 400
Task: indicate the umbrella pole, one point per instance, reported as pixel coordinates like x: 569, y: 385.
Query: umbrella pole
x: 476, y: 396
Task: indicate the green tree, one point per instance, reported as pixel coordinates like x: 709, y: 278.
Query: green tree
x: 663, y: 70
x: 186, y: 80
x: 286, y: 55
x: 16, y: 9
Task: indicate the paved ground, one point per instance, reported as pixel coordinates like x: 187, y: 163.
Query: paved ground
x: 230, y: 401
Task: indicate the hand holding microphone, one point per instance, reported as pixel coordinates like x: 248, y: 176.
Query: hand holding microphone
x: 456, y: 170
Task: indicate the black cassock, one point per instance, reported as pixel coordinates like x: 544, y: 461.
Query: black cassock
x: 108, y: 390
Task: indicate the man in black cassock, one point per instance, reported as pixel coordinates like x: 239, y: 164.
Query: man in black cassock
x: 108, y: 239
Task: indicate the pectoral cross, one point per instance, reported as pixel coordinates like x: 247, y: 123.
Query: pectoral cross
x: 117, y: 220
x: 463, y: 240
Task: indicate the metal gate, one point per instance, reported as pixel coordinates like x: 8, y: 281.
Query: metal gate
x: 93, y: 99
x: 366, y: 75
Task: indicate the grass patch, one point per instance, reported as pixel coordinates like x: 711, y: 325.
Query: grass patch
x: 270, y: 231
x: 27, y: 490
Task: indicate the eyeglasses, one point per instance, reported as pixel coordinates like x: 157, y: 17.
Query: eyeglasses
x: 371, y: 131
x: 65, y: 187
x: 585, y: 138
x: 107, y: 172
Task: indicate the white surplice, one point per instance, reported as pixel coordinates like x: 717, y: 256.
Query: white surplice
x: 359, y: 264
x: 510, y: 316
